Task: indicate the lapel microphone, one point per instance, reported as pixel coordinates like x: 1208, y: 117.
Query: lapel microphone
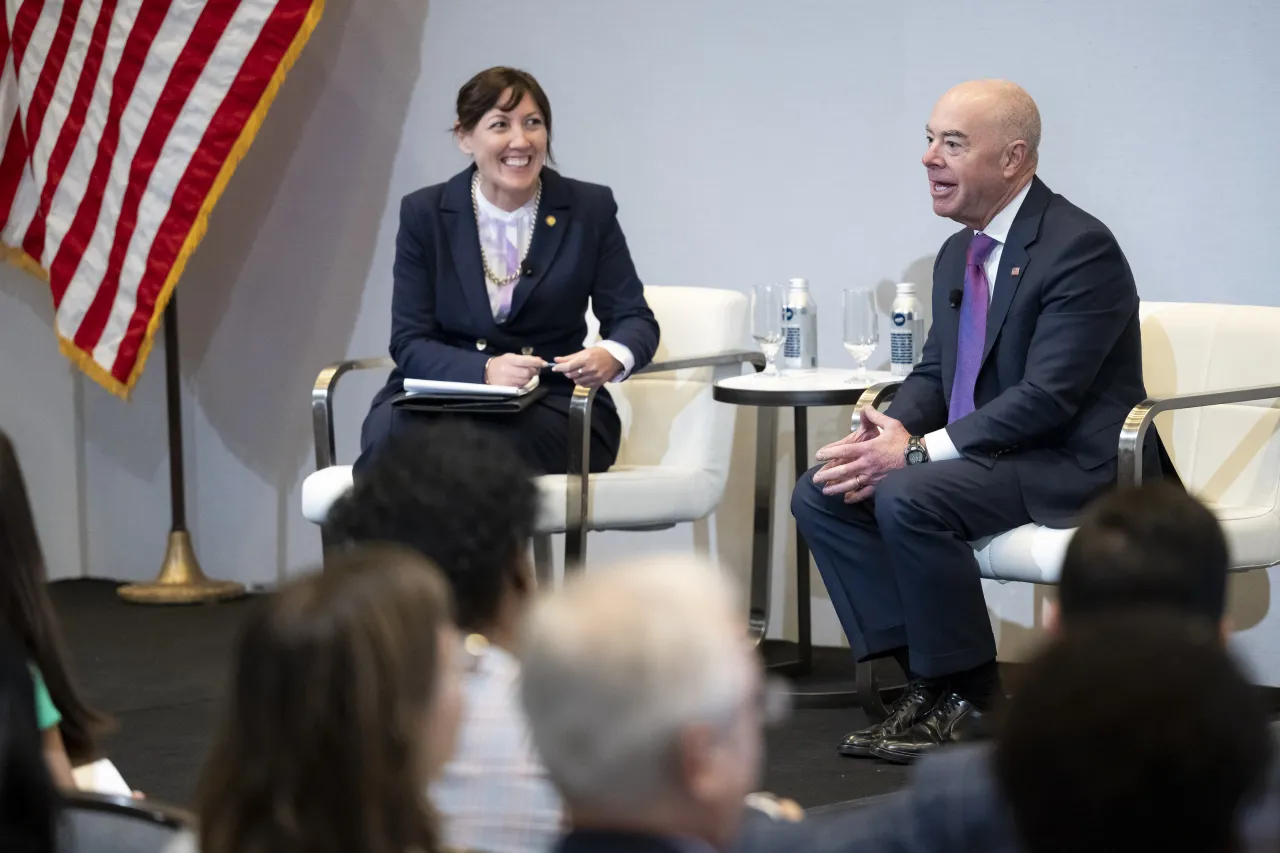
x: 955, y: 297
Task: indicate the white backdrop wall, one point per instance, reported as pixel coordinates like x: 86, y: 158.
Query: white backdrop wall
x: 745, y: 141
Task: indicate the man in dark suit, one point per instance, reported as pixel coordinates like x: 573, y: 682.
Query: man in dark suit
x: 1013, y: 415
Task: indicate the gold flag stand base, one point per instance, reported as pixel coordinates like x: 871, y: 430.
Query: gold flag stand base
x: 181, y: 581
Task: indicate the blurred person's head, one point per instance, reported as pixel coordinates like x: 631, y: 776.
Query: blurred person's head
x: 983, y: 147
x: 1132, y: 731
x: 26, y: 612
x: 345, y: 701
x: 461, y: 497
x: 28, y: 798
x: 1152, y: 546
x: 645, y: 699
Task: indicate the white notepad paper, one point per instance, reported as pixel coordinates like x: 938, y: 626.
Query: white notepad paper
x: 101, y: 777
x: 440, y: 388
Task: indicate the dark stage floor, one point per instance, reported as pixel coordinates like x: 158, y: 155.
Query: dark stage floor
x: 160, y: 672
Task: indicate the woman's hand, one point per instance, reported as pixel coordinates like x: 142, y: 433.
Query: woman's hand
x: 512, y: 370
x: 590, y: 368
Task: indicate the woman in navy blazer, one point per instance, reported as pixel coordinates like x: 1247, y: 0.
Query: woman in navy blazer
x: 493, y: 271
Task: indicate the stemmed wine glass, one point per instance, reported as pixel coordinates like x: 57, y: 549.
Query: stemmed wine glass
x: 766, y: 322
x: 861, y: 334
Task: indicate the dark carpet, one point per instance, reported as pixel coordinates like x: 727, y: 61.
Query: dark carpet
x: 161, y: 672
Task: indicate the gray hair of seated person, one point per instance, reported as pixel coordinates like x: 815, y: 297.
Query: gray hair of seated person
x: 619, y: 663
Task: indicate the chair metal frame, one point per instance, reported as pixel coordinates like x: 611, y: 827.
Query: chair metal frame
x: 143, y: 810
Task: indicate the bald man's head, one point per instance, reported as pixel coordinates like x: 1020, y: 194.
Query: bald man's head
x: 984, y: 138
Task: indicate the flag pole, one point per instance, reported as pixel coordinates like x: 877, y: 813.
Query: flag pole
x: 181, y: 581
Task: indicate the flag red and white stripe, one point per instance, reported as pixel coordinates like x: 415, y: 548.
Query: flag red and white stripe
x: 122, y: 121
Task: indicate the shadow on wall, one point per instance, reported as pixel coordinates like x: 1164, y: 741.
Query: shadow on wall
x: 30, y: 290
x: 274, y: 291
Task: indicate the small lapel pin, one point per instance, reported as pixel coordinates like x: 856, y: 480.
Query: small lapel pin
x: 1015, y: 270
x: 551, y: 221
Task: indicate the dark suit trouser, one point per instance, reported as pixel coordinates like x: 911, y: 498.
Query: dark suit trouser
x: 899, y: 567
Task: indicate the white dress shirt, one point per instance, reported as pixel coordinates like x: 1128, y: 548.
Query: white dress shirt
x: 938, y: 442
x: 504, y: 237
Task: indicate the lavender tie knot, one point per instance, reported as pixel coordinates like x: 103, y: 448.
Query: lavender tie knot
x: 979, y: 248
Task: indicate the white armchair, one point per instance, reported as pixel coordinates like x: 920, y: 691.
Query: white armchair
x: 676, y: 441
x: 1213, y: 376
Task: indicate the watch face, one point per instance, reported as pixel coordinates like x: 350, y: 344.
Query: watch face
x: 915, y: 456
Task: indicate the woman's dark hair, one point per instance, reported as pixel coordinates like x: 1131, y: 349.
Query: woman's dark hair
x: 27, y: 613
x: 484, y: 92
x: 28, y: 799
x: 455, y: 493
x: 321, y: 746
x: 1133, y: 731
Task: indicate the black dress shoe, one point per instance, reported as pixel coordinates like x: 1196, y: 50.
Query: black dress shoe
x: 912, y: 705
x: 953, y: 719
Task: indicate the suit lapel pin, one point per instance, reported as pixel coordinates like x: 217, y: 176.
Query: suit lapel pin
x: 1015, y: 270
x: 551, y: 221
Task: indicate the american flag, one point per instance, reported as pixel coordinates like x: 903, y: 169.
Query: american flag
x: 122, y: 121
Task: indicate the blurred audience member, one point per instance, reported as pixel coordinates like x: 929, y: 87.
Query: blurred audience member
x: 68, y: 725
x: 28, y: 797
x: 646, y: 701
x: 345, y: 700
x: 1154, y: 547
x: 1163, y: 759
x: 461, y: 496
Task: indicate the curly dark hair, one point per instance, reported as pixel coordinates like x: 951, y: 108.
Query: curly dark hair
x: 457, y: 494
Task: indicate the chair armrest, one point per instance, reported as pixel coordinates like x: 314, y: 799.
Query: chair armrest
x: 875, y: 396
x: 578, y: 471
x: 1140, y: 417
x: 322, y: 403
x: 578, y: 493
x: 756, y: 359
x: 145, y: 810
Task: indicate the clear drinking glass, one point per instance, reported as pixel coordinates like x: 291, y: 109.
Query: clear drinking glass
x: 766, y: 322
x: 861, y: 332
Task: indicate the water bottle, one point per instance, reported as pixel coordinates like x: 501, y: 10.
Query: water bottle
x: 799, y: 327
x: 906, y: 335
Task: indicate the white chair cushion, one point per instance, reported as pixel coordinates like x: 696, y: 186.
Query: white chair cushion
x: 1034, y: 554
x: 1253, y: 535
x: 627, y: 496
x: 321, y: 489
x: 1030, y: 553
x: 641, y: 496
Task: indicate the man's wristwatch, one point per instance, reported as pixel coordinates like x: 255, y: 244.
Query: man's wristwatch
x: 916, y: 452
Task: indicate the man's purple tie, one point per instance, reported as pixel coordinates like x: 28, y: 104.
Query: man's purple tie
x: 973, y: 326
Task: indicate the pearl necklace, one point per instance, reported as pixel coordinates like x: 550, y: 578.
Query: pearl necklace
x: 497, y: 280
